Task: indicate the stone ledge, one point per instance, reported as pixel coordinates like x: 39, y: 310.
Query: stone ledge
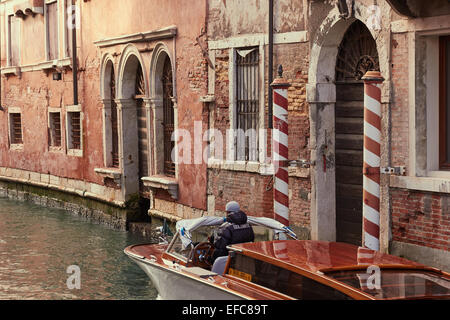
x: 299, y: 172
x: 112, y: 173
x: 241, y: 166
x: 436, y: 258
x: 71, y: 186
x: 439, y: 185
x: 163, y: 215
x: 162, y: 182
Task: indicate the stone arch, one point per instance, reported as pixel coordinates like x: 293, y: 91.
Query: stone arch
x: 321, y: 96
x: 130, y: 60
x: 159, y: 58
x: 134, y: 121
x: 160, y: 53
x: 111, y: 148
x: 107, y: 64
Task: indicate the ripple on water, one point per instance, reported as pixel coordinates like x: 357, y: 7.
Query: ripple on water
x: 38, y: 244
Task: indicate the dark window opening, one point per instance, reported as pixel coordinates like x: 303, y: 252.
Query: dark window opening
x: 114, y: 123
x: 16, y: 128
x: 247, y: 103
x: 169, y: 118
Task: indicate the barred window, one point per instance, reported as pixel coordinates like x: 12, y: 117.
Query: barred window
x: 74, y: 130
x: 16, y: 128
x: 247, y: 104
x: 169, y: 118
x: 114, y: 123
x: 55, y: 129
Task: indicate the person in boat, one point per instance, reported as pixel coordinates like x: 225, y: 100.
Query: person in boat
x: 237, y: 230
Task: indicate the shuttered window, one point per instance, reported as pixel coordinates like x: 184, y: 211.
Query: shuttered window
x: 16, y: 128
x: 52, y: 30
x: 74, y: 130
x: 444, y: 109
x: 55, y: 129
x: 247, y: 103
x: 68, y: 27
x: 14, y: 40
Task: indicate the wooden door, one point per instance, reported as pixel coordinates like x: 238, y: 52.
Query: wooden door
x: 349, y: 161
x: 141, y: 126
x: 357, y: 55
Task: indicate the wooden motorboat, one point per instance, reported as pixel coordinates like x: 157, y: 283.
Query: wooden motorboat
x: 282, y: 269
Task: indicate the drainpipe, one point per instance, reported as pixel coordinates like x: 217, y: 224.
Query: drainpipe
x: 270, y: 63
x: 74, y: 63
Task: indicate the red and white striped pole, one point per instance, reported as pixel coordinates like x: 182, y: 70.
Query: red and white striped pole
x: 280, y: 145
x: 372, y: 159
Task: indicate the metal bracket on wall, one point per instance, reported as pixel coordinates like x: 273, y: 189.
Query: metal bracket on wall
x: 301, y: 163
x: 399, y: 171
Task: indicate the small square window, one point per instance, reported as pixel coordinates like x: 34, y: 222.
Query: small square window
x: 15, y: 125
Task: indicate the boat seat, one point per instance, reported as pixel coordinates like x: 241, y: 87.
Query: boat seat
x: 219, y: 265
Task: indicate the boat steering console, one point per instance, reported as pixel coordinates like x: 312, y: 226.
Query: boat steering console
x: 202, y: 255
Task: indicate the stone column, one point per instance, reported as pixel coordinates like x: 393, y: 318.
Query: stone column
x: 322, y: 101
x: 128, y: 146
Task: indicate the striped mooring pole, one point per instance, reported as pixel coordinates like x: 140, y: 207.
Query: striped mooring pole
x: 372, y: 159
x: 280, y: 145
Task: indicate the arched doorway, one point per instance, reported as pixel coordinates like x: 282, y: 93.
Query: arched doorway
x: 132, y: 90
x: 357, y: 54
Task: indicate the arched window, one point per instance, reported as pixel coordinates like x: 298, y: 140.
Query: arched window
x: 114, y: 122
x: 169, y: 118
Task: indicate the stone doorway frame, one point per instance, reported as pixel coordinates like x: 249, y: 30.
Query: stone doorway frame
x: 321, y: 96
x: 127, y: 115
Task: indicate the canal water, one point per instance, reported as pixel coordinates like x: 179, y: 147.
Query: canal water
x: 38, y: 245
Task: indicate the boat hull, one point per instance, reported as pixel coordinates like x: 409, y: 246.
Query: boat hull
x: 172, y: 284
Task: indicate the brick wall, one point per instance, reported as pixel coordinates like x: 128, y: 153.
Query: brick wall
x: 421, y: 218
x: 253, y: 191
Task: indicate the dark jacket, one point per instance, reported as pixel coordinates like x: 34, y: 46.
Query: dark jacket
x: 236, y: 231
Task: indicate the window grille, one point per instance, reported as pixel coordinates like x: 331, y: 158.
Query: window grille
x: 247, y: 104
x: 16, y: 128
x: 114, y: 123
x: 55, y: 129
x: 169, y: 118
x: 75, y: 130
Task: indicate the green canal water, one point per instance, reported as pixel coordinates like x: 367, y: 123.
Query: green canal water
x: 38, y: 245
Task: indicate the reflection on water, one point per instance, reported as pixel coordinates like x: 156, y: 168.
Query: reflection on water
x: 38, y: 244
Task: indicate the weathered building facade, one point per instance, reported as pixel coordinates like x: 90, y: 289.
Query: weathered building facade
x: 149, y: 69
x: 141, y: 73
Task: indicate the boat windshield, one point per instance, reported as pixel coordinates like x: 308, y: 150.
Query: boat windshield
x: 397, y: 284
